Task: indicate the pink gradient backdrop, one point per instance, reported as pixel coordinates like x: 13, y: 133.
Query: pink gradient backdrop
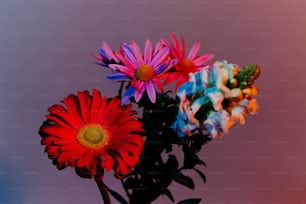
x: 45, y: 54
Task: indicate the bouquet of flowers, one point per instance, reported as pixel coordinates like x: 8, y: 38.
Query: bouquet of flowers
x: 93, y: 133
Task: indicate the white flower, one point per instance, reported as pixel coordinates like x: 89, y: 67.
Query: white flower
x: 196, y: 105
x: 216, y: 87
x: 212, y: 124
x: 216, y: 98
x: 238, y: 114
x: 204, y: 76
x: 222, y: 73
x: 218, y: 123
x: 234, y: 93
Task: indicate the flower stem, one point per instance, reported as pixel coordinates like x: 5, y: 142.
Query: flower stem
x: 103, y: 189
x: 120, y: 89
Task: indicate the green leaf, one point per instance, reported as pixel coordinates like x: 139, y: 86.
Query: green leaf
x: 200, y: 162
x: 184, y: 180
x: 129, y: 183
x: 190, y: 201
x: 168, y: 193
x: 247, y: 75
x: 117, y: 196
x: 201, y: 175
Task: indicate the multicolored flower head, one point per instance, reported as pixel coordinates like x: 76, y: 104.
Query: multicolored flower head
x: 186, y: 64
x: 92, y: 133
x: 216, y: 99
x: 142, y: 71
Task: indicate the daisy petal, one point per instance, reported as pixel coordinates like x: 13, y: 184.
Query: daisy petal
x: 137, y: 53
x: 139, y: 91
x: 176, y: 44
x: 151, y: 91
x: 193, y: 51
x: 200, y: 61
x: 129, y: 54
x: 180, y: 81
x: 159, y: 45
x: 126, y: 61
x: 148, y: 52
x: 85, y: 103
x: 122, y: 68
x: 159, y: 85
x: 108, y: 53
x: 160, y: 56
x: 159, y: 69
x: 96, y: 100
x: 171, y: 64
x: 128, y: 94
x: 171, y: 77
x: 183, y: 50
x: 117, y: 76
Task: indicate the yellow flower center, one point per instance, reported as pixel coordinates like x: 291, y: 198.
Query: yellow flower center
x: 185, y: 66
x: 145, y: 73
x: 92, y: 136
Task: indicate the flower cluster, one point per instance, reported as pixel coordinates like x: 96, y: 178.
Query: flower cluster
x: 216, y: 98
x: 163, y: 62
x: 93, y: 133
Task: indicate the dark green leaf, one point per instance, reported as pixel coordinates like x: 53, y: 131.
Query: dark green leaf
x: 200, y: 162
x: 190, y: 201
x: 129, y: 183
x: 117, y: 196
x: 184, y: 180
x: 201, y: 174
x: 168, y: 193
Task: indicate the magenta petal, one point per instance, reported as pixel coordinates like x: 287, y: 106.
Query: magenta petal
x: 137, y: 53
x: 123, y: 69
x: 200, y: 61
x: 160, y: 68
x: 128, y: 52
x: 171, y: 64
x: 160, y: 56
x: 139, y: 91
x: 193, y: 51
x: 176, y: 44
x: 151, y: 91
x: 148, y: 52
x: 126, y: 61
x: 183, y: 50
x: 159, y: 45
x: 109, y: 53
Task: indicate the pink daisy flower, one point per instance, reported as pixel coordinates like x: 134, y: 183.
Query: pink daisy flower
x: 141, y: 70
x: 106, y: 56
x: 186, y: 64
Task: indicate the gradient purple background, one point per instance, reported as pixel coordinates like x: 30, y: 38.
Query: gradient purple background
x: 45, y: 54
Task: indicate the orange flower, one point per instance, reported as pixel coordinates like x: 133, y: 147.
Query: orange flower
x: 92, y: 134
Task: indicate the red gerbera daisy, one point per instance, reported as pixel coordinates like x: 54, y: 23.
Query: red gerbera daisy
x: 91, y: 134
x: 186, y: 64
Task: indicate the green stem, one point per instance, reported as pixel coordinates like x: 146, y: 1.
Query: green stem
x: 120, y: 89
x: 103, y: 189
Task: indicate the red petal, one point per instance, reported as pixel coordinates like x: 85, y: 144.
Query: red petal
x: 96, y: 100
x: 85, y: 103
